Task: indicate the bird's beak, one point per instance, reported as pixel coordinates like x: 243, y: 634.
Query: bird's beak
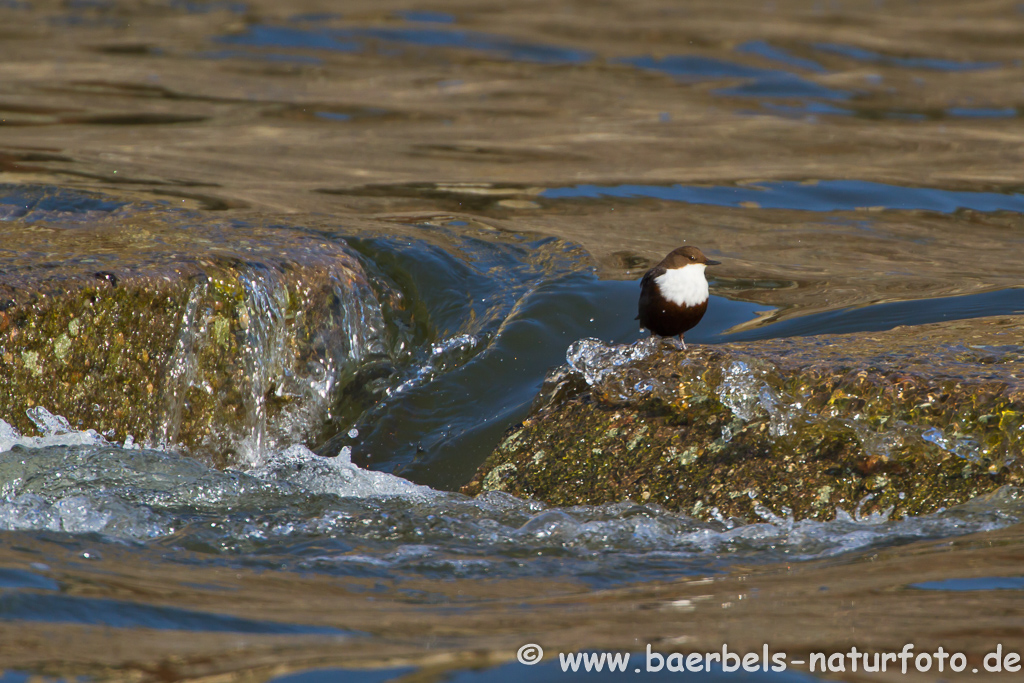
x: 709, y: 262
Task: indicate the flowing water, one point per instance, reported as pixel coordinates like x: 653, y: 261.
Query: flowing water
x: 503, y: 174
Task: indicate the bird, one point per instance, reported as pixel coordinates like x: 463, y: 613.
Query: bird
x: 674, y: 293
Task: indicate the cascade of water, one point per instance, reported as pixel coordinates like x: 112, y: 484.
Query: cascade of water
x: 272, y: 360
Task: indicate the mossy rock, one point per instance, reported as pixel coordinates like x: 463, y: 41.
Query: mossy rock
x: 903, y: 422
x: 213, y: 338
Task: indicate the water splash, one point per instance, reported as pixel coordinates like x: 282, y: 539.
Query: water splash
x: 299, y: 466
x: 297, y: 511
x: 596, y: 360
x: 55, y: 429
x: 445, y: 354
x: 961, y: 446
x: 747, y: 393
x: 740, y: 391
x: 48, y: 423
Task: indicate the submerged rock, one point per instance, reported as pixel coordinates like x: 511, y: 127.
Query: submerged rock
x: 221, y: 338
x: 902, y: 422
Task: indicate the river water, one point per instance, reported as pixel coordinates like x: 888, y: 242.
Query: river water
x: 504, y: 174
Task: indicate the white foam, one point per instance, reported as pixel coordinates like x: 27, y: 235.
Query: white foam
x: 293, y: 466
x: 56, y: 432
x: 78, y: 515
x: 140, y: 494
x: 339, y: 476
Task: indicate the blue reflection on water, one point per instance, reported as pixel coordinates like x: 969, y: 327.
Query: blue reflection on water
x: 67, y: 609
x: 763, y: 49
x: 193, y: 7
x: 982, y: 112
x: 762, y: 82
x: 22, y: 578
x: 825, y: 195
x: 785, y: 85
x: 691, y: 67
x: 289, y: 37
x: 885, y: 316
x: 551, y: 672
x: 426, y: 16
x: 347, y: 675
x: 862, y: 55
x: 808, y: 109
x: 354, y: 40
x: 980, y: 583
x: 333, y: 116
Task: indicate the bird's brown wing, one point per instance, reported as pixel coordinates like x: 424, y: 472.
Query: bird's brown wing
x: 647, y: 286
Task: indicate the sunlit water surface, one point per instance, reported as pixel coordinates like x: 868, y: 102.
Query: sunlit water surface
x: 507, y: 176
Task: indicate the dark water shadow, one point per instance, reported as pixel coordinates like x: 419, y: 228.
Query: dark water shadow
x: 32, y: 202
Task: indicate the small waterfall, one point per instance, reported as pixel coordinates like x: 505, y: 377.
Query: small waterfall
x: 181, y: 371
x: 261, y: 355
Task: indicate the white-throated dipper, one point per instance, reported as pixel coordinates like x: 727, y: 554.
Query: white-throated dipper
x: 674, y: 293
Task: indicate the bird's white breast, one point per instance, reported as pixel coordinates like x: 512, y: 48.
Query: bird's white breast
x: 684, y: 286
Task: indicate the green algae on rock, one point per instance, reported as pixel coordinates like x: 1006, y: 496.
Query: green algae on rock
x: 902, y: 422
x: 219, y: 338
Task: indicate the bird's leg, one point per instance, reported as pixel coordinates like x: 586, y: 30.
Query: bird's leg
x: 681, y: 341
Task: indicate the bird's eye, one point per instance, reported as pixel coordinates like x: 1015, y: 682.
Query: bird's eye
x: 693, y: 258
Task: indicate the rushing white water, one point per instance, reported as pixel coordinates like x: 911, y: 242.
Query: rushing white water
x: 297, y: 510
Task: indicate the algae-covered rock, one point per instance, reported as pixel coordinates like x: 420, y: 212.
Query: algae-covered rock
x: 221, y: 338
x: 905, y: 422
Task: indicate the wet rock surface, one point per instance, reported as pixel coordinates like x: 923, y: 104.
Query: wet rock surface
x: 902, y: 422
x: 220, y: 338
